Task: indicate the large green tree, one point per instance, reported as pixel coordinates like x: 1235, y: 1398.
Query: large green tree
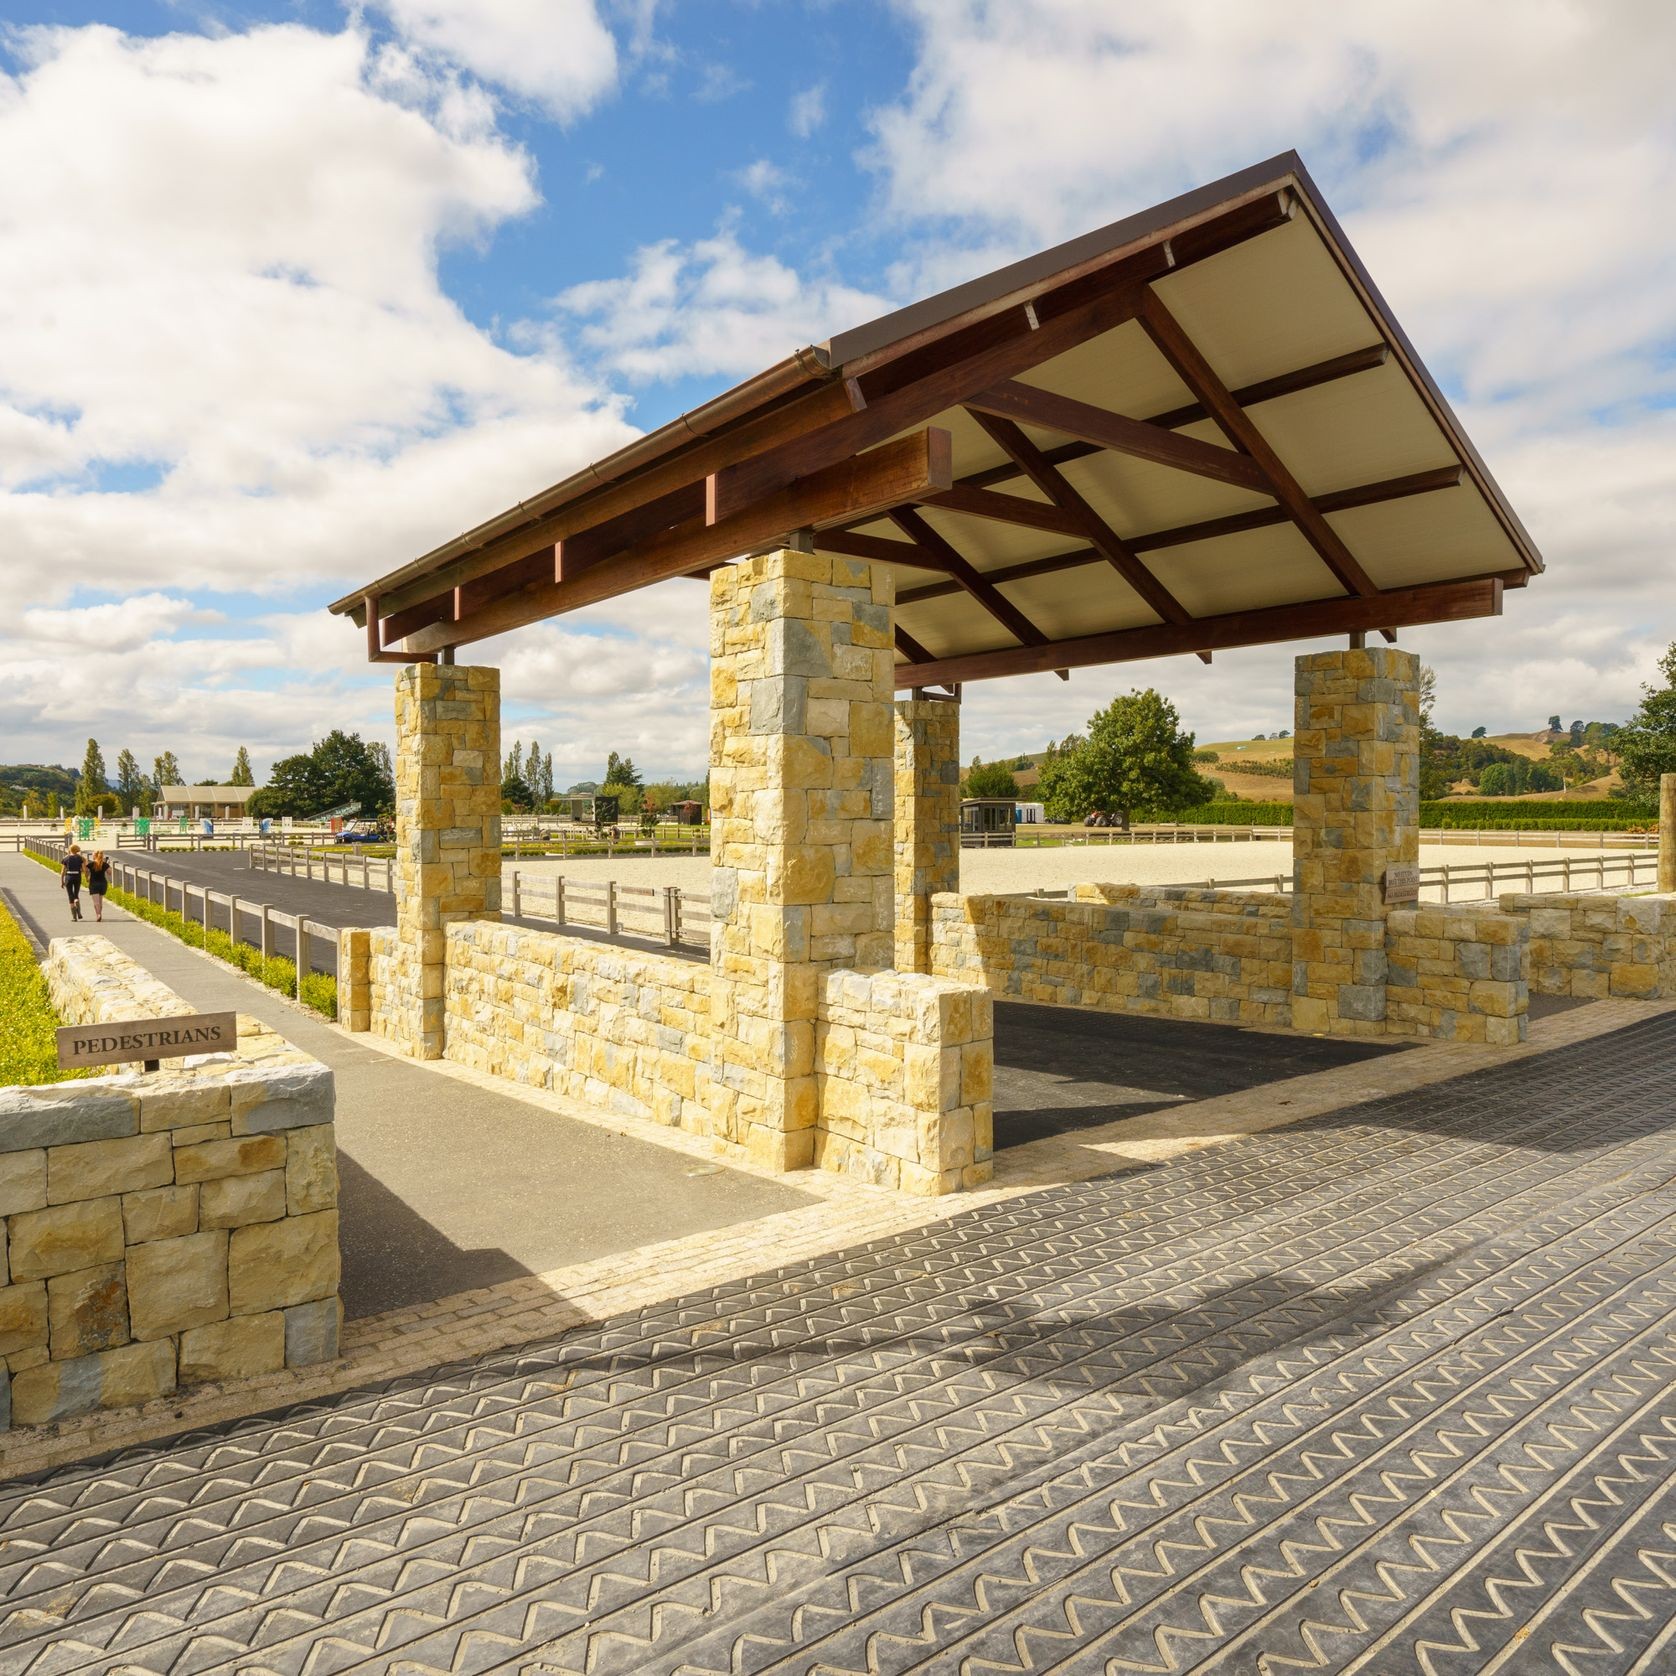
x: 133, y: 789
x: 989, y: 779
x: 340, y: 769
x: 243, y: 774
x: 165, y: 771
x: 92, y: 785
x: 620, y: 771
x: 1646, y: 744
x: 1136, y: 761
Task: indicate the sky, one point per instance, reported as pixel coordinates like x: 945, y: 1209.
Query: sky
x: 292, y: 293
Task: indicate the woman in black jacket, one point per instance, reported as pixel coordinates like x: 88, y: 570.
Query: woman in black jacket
x: 98, y: 881
x: 69, y: 875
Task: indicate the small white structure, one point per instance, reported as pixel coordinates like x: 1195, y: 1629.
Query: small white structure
x: 1029, y: 814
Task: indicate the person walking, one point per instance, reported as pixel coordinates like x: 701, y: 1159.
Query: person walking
x: 69, y: 876
x: 98, y: 881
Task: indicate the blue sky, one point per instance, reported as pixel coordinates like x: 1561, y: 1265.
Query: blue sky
x: 293, y: 293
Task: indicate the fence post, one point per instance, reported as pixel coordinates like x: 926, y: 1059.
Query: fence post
x: 267, y: 933
x: 301, y: 937
x: 1566, y: 874
x: 517, y: 896
x: 558, y: 898
x: 233, y: 919
x: 611, y: 907
x: 1446, y: 883
x: 366, y: 871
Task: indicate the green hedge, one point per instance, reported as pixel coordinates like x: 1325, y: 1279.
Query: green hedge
x: 1475, y: 811
x: 28, y: 1047
x: 1237, y: 814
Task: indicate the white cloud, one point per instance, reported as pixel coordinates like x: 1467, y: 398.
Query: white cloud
x: 711, y: 307
x: 807, y: 110
x: 556, y: 53
x: 766, y: 181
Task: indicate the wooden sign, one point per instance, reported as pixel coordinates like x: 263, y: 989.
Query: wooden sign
x: 1402, y: 883
x: 147, y: 1039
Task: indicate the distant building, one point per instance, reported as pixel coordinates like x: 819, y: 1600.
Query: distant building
x: 220, y: 803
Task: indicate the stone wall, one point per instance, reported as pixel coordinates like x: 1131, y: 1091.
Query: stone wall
x: 927, y: 821
x: 1166, y: 952
x: 625, y: 1031
x: 906, y: 1065
x: 1597, y: 946
x: 1457, y: 975
x: 164, y: 1228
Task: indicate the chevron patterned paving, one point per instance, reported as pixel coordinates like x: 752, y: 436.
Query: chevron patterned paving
x: 1391, y: 1391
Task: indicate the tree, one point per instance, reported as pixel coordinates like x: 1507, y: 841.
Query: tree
x: 989, y: 779
x: 1480, y: 732
x: 340, y: 769
x: 513, y: 767
x: 514, y: 793
x: 1136, y: 761
x: 620, y: 771
x: 657, y: 798
x: 133, y: 790
x: 165, y: 771
x: 242, y: 775
x: 1553, y: 724
x: 1646, y: 744
x: 92, y: 784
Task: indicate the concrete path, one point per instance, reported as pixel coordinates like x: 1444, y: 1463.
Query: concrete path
x: 445, y: 1186
x: 1389, y: 1390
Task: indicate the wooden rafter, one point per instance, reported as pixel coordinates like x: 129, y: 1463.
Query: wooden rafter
x: 1027, y: 405
x: 1092, y: 527
x: 1437, y: 603
x: 898, y: 471
x: 970, y: 578
x: 1262, y: 517
x: 852, y: 544
x: 1006, y: 509
x: 1196, y: 373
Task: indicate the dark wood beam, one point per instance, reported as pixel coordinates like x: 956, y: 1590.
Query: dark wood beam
x: 1091, y: 526
x: 1262, y: 517
x: 1196, y: 373
x: 1284, y: 384
x: 878, y: 549
x: 972, y: 580
x: 1441, y: 602
x: 903, y: 470
x: 1006, y: 509
x: 910, y: 648
x: 1027, y: 405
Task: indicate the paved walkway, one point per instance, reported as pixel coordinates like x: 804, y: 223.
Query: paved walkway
x: 446, y: 1186
x: 1390, y: 1390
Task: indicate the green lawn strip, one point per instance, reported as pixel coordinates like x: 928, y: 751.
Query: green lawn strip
x: 319, y: 991
x: 28, y: 1047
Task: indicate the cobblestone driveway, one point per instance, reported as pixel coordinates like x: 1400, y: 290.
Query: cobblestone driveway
x: 1387, y: 1393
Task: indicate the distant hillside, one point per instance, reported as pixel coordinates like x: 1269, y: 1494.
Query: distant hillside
x: 40, y: 778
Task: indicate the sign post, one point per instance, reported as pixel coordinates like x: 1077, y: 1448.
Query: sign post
x: 149, y: 1040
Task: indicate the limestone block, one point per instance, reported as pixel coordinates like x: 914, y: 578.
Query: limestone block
x: 235, y: 1349
x: 134, y: 1373
x: 159, y: 1213
x: 234, y: 1201
x: 23, y: 1316
x: 183, y: 1102
x: 275, y: 1264
x: 312, y: 1331
x: 64, y: 1238
x: 311, y: 1169
x: 176, y: 1284
x: 97, y: 1169
x: 23, y: 1180
x: 88, y: 1311
x: 242, y: 1155
x: 62, y: 1113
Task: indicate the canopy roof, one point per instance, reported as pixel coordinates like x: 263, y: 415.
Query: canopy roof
x: 1197, y: 428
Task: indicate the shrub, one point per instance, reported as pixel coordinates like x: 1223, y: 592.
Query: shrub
x: 28, y: 1047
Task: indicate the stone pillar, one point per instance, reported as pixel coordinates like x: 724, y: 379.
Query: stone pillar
x: 801, y: 778
x: 447, y: 833
x: 1667, y: 834
x: 1355, y: 814
x: 927, y: 821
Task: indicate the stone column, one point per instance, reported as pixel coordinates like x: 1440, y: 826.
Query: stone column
x: 1667, y: 834
x: 801, y: 778
x: 447, y: 834
x: 1355, y: 815
x: 927, y: 821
